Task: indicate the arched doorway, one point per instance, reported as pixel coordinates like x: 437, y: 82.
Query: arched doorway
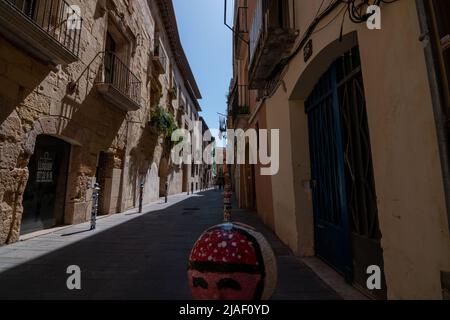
x: 346, y: 228
x: 45, y: 193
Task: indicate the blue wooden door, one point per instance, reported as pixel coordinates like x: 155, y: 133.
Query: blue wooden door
x: 331, y: 220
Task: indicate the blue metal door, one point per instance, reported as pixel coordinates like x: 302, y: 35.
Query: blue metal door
x: 331, y: 220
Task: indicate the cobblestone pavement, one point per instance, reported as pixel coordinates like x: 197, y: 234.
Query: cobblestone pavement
x: 138, y: 256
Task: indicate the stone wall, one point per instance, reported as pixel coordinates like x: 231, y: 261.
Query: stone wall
x: 35, y: 100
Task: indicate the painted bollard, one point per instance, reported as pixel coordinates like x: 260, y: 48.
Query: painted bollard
x: 232, y: 261
x: 227, y: 206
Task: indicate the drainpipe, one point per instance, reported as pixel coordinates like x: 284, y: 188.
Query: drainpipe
x: 430, y: 41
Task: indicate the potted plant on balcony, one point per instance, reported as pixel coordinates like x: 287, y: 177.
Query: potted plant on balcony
x: 164, y: 123
x: 244, y: 110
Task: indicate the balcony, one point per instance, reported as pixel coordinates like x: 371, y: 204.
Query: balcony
x: 118, y: 84
x: 239, y: 103
x: 241, y: 35
x: 272, y: 37
x: 48, y: 30
x: 159, y: 59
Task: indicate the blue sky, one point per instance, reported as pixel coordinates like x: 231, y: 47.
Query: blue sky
x: 208, y: 46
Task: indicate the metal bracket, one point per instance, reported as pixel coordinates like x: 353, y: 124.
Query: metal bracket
x: 230, y: 27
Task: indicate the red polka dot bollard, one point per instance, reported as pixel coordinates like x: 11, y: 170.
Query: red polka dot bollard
x: 232, y: 261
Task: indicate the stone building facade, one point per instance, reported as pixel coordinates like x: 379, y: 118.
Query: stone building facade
x: 363, y: 117
x: 191, y: 171
x: 76, y: 107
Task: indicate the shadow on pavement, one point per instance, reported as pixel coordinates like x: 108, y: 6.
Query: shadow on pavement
x: 146, y: 258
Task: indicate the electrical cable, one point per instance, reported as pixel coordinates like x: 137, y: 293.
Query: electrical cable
x: 357, y: 14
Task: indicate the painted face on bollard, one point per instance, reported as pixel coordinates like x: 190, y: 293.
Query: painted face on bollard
x: 223, y: 286
x: 226, y: 264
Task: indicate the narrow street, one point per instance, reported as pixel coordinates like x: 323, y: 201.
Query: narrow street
x: 137, y: 256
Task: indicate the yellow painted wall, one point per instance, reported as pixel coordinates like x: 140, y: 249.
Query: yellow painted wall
x: 283, y: 183
x: 407, y: 169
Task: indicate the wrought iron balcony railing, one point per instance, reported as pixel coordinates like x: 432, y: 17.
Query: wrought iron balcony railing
x: 117, y: 77
x: 159, y: 58
x: 56, y: 18
x: 257, y: 25
x: 239, y: 101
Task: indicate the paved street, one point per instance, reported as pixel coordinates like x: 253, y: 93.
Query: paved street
x: 137, y: 256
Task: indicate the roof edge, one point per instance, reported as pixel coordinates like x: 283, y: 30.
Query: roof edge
x: 168, y: 17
